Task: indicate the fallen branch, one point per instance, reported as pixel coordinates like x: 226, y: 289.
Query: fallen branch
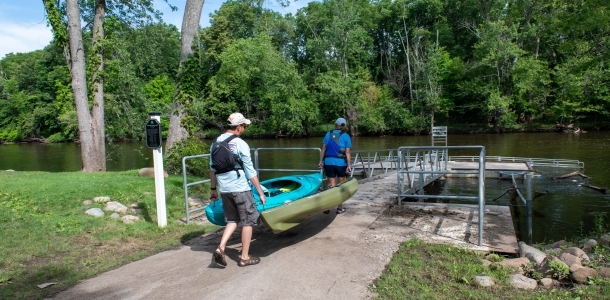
x: 577, y: 173
x: 601, y: 190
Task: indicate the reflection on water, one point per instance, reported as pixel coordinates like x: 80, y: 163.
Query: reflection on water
x: 566, y: 211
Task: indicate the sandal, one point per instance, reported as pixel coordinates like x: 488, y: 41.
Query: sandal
x: 250, y: 261
x: 340, y: 210
x: 326, y: 212
x: 219, y: 257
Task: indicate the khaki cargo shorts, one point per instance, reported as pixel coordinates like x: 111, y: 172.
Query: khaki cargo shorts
x: 240, y: 208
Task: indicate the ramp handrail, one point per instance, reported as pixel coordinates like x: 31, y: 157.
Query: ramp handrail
x: 186, y: 184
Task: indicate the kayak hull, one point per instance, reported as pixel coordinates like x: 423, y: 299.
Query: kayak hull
x: 285, y: 217
x: 279, y: 191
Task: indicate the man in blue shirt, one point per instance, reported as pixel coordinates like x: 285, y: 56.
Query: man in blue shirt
x: 336, y: 156
x: 237, y: 200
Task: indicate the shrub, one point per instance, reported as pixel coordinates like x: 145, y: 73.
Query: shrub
x: 195, y: 167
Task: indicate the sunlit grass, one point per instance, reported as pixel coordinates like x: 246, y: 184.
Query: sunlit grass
x: 46, y: 237
x: 422, y: 270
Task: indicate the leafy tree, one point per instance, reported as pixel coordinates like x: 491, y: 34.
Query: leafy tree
x: 255, y: 79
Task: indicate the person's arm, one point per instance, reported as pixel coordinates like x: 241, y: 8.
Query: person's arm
x: 348, y: 156
x: 321, y: 163
x: 258, y: 187
x: 213, y: 182
x: 213, y: 186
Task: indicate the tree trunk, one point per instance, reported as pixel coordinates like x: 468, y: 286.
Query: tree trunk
x: 89, y: 152
x: 97, y: 79
x: 190, y: 25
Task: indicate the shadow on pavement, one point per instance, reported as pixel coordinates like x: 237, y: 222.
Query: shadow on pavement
x: 264, y: 242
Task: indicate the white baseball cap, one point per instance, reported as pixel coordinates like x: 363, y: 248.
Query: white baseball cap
x: 237, y: 119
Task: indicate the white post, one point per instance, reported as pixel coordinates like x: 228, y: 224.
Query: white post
x: 159, y: 179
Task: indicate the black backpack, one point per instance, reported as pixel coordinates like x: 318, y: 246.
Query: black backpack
x: 223, y: 159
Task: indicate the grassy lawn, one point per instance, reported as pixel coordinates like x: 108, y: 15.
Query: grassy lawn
x: 422, y: 270
x: 46, y: 237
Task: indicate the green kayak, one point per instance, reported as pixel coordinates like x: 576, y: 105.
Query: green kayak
x: 287, y: 216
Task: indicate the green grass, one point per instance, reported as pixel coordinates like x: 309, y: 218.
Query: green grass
x: 46, y: 237
x: 422, y: 270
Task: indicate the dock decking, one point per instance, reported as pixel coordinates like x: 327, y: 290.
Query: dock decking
x: 456, y: 224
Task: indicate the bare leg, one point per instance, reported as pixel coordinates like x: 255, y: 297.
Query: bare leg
x: 246, y: 238
x: 340, y: 179
x: 226, y: 234
x: 331, y: 182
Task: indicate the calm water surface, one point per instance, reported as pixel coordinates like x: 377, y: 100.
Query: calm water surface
x: 566, y: 211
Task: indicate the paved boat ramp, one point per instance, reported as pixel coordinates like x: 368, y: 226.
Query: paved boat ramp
x: 328, y: 256
x: 456, y: 224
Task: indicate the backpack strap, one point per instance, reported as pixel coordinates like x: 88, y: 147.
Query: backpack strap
x: 237, y: 158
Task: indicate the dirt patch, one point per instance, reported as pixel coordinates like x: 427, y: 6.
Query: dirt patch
x: 409, y: 212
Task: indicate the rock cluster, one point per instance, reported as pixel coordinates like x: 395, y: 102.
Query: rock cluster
x: 560, y: 264
x: 118, y: 209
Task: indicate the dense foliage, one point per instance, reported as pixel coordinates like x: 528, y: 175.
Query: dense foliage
x: 388, y: 66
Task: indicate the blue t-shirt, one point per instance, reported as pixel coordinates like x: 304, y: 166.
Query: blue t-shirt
x: 345, y: 142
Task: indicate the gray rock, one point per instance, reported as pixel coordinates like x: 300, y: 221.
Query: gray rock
x: 582, y: 275
x: 485, y: 262
x: 546, y: 270
x: 515, y: 264
x: 604, y: 240
x: 115, y: 206
x: 115, y: 216
x: 96, y: 212
x: 604, y: 273
x: 570, y: 259
x: 534, y: 255
x: 483, y: 281
x: 575, y: 267
x: 546, y: 283
x: 87, y: 202
x: 129, y: 219
x: 521, y: 282
x: 557, y: 244
x: 150, y: 172
x: 576, y: 252
x: 591, y: 243
x: 102, y: 199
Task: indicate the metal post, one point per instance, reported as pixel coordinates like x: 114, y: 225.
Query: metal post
x: 398, y: 177
x: 159, y: 179
x: 481, y: 193
x: 528, y: 206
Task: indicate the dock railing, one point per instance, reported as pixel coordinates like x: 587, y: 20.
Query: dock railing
x: 373, y: 162
x: 534, y: 162
x: 426, y: 164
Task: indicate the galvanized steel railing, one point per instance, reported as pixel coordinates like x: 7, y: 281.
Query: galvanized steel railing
x: 186, y: 184
x: 372, y: 160
x: 429, y: 163
x: 534, y: 162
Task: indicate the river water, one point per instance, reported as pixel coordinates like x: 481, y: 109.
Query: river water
x: 567, y: 210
